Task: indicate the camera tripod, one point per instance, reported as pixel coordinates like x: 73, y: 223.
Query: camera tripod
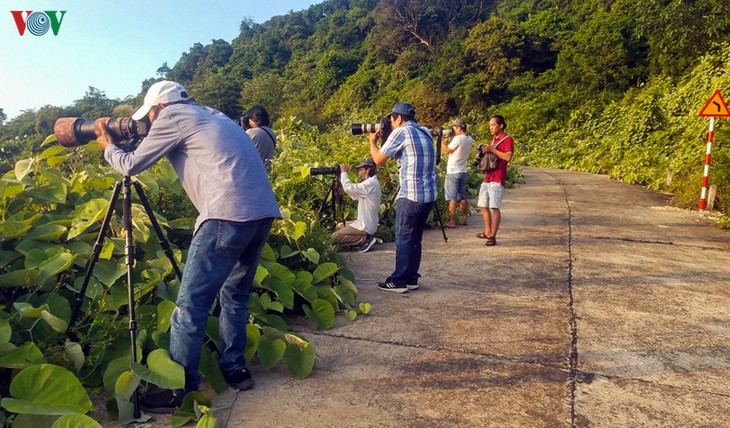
x: 333, y: 196
x: 125, y: 184
x: 435, y: 207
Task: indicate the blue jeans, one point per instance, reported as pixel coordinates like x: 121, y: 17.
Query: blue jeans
x: 410, y: 220
x: 221, y: 262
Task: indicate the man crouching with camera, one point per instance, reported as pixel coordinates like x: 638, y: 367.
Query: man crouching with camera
x: 222, y: 173
x: 367, y: 193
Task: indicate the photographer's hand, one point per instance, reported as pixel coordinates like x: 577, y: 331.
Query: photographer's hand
x: 103, y: 139
x: 373, y: 137
x: 344, y: 167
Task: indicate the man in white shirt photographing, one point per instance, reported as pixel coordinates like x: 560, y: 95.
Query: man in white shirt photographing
x: 367, y: 192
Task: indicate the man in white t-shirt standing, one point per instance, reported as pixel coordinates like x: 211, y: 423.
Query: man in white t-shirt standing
x: 458, y: 151
x: 367, y: 192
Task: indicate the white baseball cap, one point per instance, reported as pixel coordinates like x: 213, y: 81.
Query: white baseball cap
x: 163, y: 92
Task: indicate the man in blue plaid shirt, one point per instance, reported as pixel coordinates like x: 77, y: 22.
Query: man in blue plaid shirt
x: 411, y: 145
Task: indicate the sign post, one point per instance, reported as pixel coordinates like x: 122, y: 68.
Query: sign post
x: 714, y: 107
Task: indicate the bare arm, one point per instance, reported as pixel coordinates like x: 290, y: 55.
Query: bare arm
x: 378, y: 157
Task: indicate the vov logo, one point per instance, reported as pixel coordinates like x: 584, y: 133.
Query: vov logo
x: 38, y: 23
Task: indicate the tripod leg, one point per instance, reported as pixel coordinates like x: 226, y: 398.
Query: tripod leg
x: 324, y: 203
x: 440, y: 221
x: 164, y: 243
x: 96, y: 252
x: 129, y: 256
x: 337, y: 201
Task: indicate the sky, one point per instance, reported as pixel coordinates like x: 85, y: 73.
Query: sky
x: 110, y: 45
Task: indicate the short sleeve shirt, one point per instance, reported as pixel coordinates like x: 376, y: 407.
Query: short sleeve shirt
x: 412, y: 147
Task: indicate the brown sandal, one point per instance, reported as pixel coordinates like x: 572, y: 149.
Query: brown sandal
x: 482, y: 235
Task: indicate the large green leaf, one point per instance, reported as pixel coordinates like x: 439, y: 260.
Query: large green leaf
x: 286, y: 251
x: 270, y: 352
x: 211, y: 369
x: 46, y: 389
x: 7, y: 257
x: 75, y: 354
x: 18, y: 224
x: 189, y: 410
x: 27, y: 310
x: 164, y: 314
x: 24, y: 278
x: 23, y: 167
x: 208, y: 420
x: 284, y: 291
x: 22, y: 356
x: 299, y: 229
x: 49, y: 140
x: 86, y: 215
x: 115, y: 368
x: 33, y: 421
x: 149, y: 183
x: 52, y: 151
x: 108, y: 271
x: 299, y: 357
x: 5, y: 330
x: 162, y: 371
x: 261, y: 274
x: 47, y: 232
x: 124, y: 387
x: 323, y: 271
x: 281, y: 272
x: 312, y: 255
x: 253, y: 334
x: 54, y: 192
x: 323, y: 314
x: 50, y: 261
x: 76, y: 420
x: 268, y: 253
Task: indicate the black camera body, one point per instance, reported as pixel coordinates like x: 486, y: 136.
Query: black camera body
x: 334, y: 170
x: 244, y: 122
x: 475, y: 163
x: 75, y: 131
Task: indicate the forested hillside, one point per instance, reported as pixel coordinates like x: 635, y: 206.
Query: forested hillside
x: 602, y: 86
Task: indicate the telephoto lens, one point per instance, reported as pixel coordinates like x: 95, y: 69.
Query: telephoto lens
x: 365, y: 128
x: 325, y: 170
x: 75, y: 131
x: 441, y: 131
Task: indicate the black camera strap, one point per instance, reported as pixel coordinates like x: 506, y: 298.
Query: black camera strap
x: 273, y: 140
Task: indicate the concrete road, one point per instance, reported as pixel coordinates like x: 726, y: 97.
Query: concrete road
x: 601, y: 306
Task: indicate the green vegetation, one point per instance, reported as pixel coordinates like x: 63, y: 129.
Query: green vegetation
x: 610, y: 86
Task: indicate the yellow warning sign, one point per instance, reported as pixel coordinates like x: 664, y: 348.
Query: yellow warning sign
x: 715, y: 106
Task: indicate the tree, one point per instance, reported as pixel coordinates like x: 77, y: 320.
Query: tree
x: 93, y: 104
x: 163, y: 71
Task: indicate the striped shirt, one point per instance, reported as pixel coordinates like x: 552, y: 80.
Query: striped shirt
x: 411, y: 146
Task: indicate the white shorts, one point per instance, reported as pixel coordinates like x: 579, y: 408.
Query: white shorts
x: 490, y: 195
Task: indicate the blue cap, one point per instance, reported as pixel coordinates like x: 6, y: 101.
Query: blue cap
x: 404, y: 109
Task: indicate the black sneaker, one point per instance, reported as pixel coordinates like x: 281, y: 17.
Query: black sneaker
x: 240, y: 379
x: 161, y: 401
x: 412, y: 286
x: 364, y: 248
x: 390, y: 286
